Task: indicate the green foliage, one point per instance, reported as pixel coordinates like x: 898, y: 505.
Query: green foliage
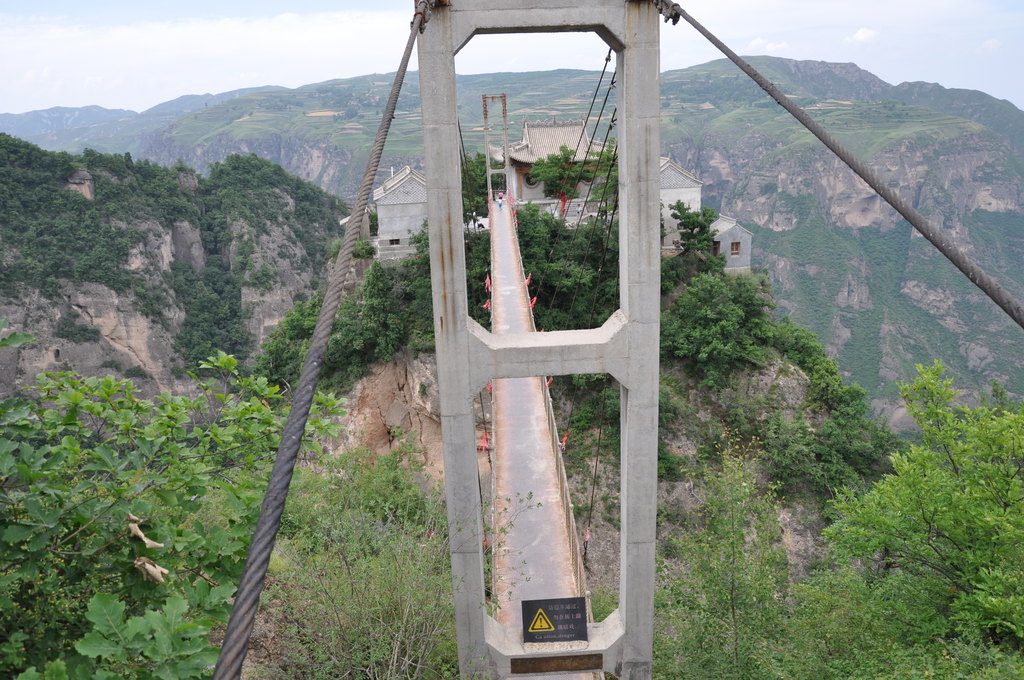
x: 377, y: 315
x: 802, y: 347
x: 694, y: 228
x: 14, y: 338
x: 251, y: 188
x: 51, y: 233
x: 68, y: 328
x: 718, y: 324
x: 136, y: 372
x: 840, y: 450
x: 161, y: 639
x: 50, y: 230
x: 363, y: 250
x: 696, y: 242
x: 574, y: 272
x: 474, y: 187
x: 850, y: 625
x: 562, y: 175
x: 212, y: 300
x: 951, y: 511
x: 126, y: 521
x: 281, y: 356
x: 725, y: 606
x: 369, y: 327
x: 362, y: 585
x: 718, y: 605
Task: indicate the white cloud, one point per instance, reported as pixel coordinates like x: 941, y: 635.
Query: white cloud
x: 136, y: 58
x: 861, y: 35
x: 762, y: 46
x: 990, y: 46
x: 137, y: 65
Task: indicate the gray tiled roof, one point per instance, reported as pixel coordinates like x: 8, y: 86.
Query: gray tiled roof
x: 723, y: 224
x: 674, y: 177
x: 543, y: 138
x: 405, y: 186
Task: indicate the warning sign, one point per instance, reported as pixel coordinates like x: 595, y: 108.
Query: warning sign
x: 541, y: 623
x: 556, y: 620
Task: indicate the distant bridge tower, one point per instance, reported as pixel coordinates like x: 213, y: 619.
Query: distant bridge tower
x: 626, y: 346
x: 506, y: 186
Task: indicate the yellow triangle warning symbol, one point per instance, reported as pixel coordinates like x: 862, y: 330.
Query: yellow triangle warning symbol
x: 541, y: 623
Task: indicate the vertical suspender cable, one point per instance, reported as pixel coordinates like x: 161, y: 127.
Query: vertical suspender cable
x: 970, y: 269
x: 243, y: 613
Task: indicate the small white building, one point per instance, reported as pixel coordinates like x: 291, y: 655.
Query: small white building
x: 732, y: 241
x: 676, y: 185
x: 401, y: 203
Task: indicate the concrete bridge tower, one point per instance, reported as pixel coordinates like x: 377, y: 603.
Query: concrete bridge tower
x: 626, y: 346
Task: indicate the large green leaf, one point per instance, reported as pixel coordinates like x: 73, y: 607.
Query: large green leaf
x: 95, y: 645
x: 106, y: 613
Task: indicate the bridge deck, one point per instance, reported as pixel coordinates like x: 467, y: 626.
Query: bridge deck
x: 533, y: 555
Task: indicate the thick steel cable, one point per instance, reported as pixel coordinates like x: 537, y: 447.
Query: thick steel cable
x: 243, y: 613
x: 960, y: 260
x: 583, y: 132
x: 586, y: 119
x: 608, y: 228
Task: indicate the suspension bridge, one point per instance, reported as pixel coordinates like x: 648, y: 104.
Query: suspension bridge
x: 518, y: 587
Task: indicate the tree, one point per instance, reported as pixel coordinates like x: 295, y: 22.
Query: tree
x: 952, y: 511
x: 719, y: 323
x: 371, y: 326
x: 562, y: 174
x: 719, y: 603
x: 695, y: 233
x: 474, y: 187
x: 378, y: 315
x: 126, y: 521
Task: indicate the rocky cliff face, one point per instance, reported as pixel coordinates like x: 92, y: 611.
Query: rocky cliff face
x: 269, y: 292
x: 130, y: 342
x: 315, y: 159
x: 95, y: 331
x: 845, y: 264
x: 244, y: 237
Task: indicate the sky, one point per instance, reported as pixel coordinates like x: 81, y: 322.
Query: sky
x: 135, y: 55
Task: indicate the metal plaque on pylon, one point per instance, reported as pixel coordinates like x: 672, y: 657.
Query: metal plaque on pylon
x: 556, y: 620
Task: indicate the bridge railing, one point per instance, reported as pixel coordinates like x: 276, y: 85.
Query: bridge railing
x: 567, y: 507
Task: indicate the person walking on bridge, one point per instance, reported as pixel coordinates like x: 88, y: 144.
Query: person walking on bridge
x: 501, y: 196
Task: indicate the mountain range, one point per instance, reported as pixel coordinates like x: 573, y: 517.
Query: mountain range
x: 842, y: 262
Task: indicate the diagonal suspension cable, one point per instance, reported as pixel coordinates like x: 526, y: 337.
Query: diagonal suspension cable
x: 579, y: 174
x: 943, y: 244
x: 247, y: 598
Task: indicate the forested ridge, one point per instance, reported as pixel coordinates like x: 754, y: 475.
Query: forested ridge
x: 179, y: 248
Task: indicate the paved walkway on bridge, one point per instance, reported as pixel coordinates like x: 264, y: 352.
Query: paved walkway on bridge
x: 532, y: 553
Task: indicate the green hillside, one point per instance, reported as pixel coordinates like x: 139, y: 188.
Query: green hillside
x: 955, y: 154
